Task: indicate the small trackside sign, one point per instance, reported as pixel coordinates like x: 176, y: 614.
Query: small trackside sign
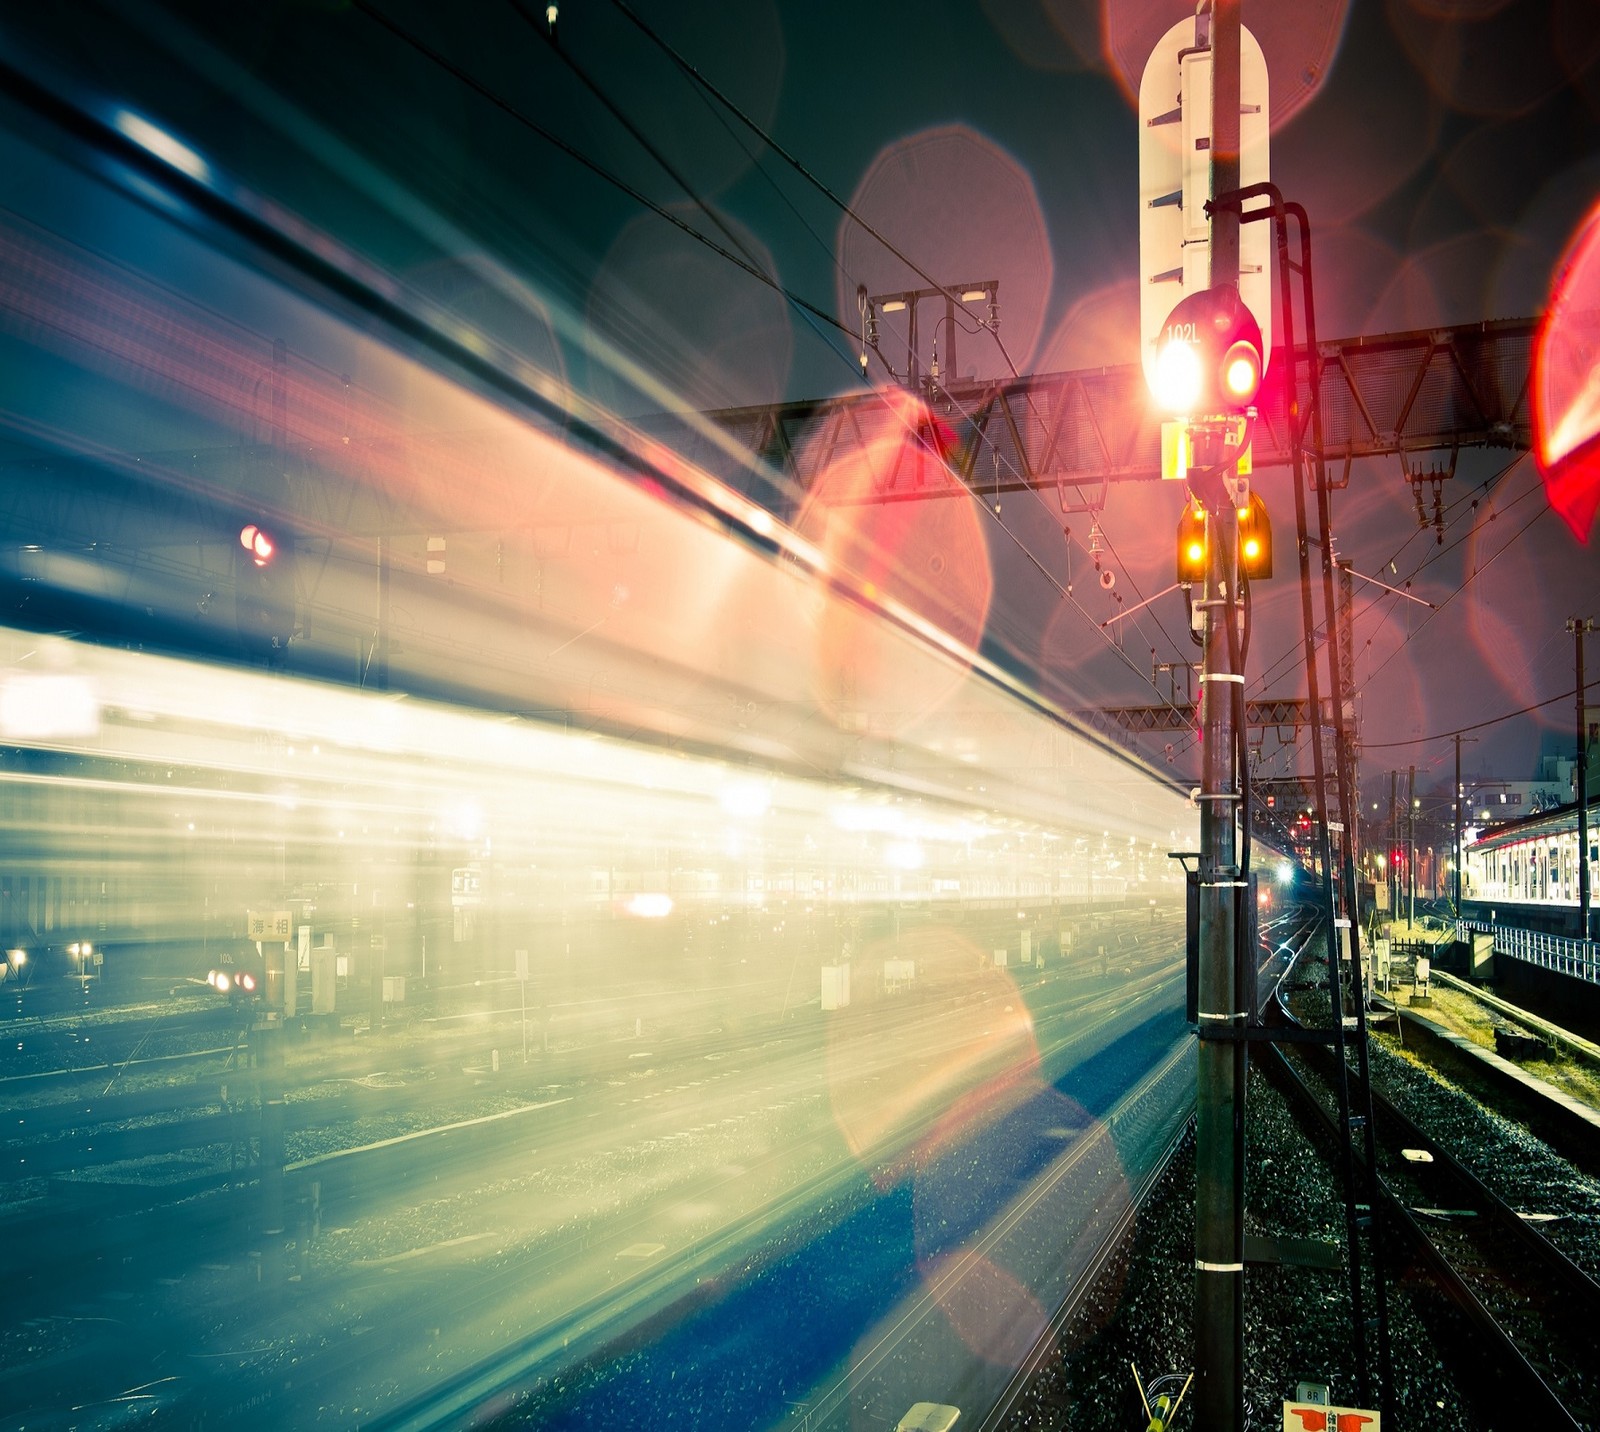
x: 1318, y: 1417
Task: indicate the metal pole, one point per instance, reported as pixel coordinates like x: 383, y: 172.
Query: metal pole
x: 1579, y: 627
x: 1225, y: 139
x: 1394, y: 846
x: 1411, y: 845
x: 1219, y: 1111
x: 1219, y: 1117
x: 913, y: 370
x: 1455, y: 884
x: 950, y: 338
x: 1351, y: 735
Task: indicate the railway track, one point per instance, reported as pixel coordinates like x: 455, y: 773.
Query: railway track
x: 1127, y: 1124
x: 1007, y: 1406
x: 588, y: 1331
x: 1525, y: 1318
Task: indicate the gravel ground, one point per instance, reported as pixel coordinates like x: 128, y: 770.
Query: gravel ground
x: 1520, y: 1167
x: 1524, y: 1170
x: 1297, y: 1321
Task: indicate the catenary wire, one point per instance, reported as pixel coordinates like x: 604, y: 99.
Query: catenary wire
x: 709, y: 87
x: 1295, y: 747
x: 366, y: 7
x: 515, y: 112
x: 1481, y: 725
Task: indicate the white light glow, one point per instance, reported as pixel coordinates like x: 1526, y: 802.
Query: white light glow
x: 904, y: 854
x: 38, y: 707
x: 649, y: 905
x: 464, y: 821
x: 158, y: 142
x: 1177, y: 377
x: 748, y: 799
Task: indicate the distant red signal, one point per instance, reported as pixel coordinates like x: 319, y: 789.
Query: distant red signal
x: 258, y: 543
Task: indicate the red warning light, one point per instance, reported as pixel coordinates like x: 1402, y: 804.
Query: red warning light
x: 257, y: 543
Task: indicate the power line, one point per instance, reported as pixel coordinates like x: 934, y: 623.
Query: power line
x: 1480, y: 725
x: 700, y: 79
x: 733, y: 108
x: 1465, y: 581
x: 521, y: 117
x: 706, y: 85
x: 527, y: 121
x: 1388, y: 600
x: 1292, y: 655
x: 654, y: 152
x: 1292, y: 749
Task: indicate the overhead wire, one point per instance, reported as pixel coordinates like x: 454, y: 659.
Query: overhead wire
x: 1388, y: 600
x: 1482, y: 725
x: 644, y: 141
x: 733, y: 108
x: 464, y: 77
x: 755, y: 128
x: 421, y: 46
x: 694, y: 73
x: 1293, y: 654
x: 1294, y: 748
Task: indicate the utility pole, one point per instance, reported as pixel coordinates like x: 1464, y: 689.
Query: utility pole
x: 1394, y: 846
x: 1455, y: 889
x: 1352, y: 739
x: 1580, y: 627
x: 1220, y: 1092
x: 1411, y: 845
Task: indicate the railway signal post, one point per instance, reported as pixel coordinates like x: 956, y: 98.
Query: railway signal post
x: 1204, y: 358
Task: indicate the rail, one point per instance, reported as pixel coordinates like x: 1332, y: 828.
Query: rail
x: 1578, y: 958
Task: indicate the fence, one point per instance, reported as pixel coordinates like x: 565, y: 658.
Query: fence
x: 1579, y: 958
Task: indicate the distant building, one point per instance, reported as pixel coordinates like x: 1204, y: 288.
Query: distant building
x: 1489, y: 801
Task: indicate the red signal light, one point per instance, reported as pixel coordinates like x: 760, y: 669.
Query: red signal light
x: 1241, y: 373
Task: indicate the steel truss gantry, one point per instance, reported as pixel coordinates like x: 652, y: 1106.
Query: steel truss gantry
x: 1399, y: 393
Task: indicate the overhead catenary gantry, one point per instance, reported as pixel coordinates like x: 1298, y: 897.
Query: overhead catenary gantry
x: 1440, y: 389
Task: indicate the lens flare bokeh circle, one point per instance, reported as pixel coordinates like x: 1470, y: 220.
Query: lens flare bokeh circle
x: 1566, y: 385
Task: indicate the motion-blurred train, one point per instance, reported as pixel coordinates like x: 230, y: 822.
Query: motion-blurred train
x: 1526, y: 873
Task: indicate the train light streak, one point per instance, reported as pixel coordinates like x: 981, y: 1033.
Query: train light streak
x: 651, y: 905
x: 165, y: 146
x: 37, y: 706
